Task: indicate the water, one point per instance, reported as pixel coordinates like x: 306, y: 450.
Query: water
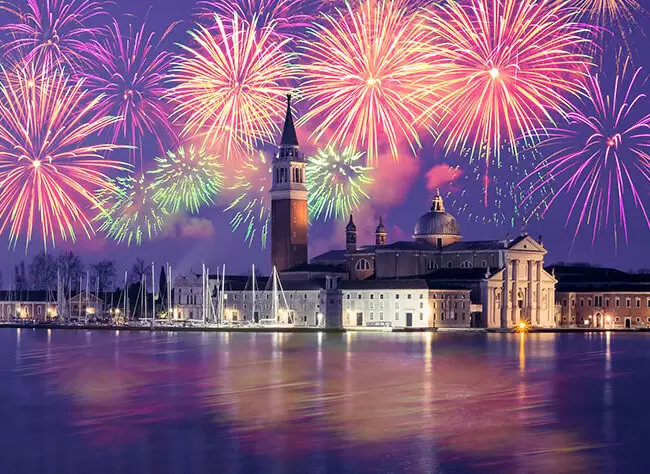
x: 124, y: 402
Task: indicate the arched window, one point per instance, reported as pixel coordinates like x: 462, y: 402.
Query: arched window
x: 466, y: 264
x: 432, y: 265
x: 362, y: 264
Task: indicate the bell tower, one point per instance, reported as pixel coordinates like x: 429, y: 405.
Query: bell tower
x: 288, y: 200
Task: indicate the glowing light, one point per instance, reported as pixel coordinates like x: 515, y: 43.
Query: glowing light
x: 188, y: 178
x: 54, y: 32
x: 336, y: 182
x: 603, y: 155
x: 250, y: 183
x: 128, y: 211
x: 48, y: 170
x: 361, y: 70
x: 229, y: 87
x: 129, y: 81
x: 504, y: 37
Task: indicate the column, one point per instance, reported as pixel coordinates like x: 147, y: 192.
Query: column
x: 532, y: 301
x: 515, y: 290
x: 538, y: 289
x: 505, y: 301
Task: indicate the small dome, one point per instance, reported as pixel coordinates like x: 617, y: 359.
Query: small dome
x: 436, y: 222
x: 351, y: 227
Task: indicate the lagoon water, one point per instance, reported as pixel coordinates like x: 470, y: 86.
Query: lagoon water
x: 120, y: 402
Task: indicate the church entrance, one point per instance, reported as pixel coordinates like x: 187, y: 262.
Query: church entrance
x: 409, y: 320
x: 359, y: 319
x: 628, y: 323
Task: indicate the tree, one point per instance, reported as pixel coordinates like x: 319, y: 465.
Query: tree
x: 104, y: 271
x: 42, y: 272
x: 138, y: 270
x: 71, y: 269
x: 162, y: 287
x: 20, y: 280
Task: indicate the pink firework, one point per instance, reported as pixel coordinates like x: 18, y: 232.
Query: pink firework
x: 129, y: 81
x: 53, y: 32
x: 289, y: 16
x: 601, y: 157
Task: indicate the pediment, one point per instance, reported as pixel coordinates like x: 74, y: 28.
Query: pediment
x: 528, y: 244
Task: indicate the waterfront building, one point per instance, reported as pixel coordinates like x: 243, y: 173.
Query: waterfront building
x: 595, y: 297
x: 506, y: 277
x: 30, y: 305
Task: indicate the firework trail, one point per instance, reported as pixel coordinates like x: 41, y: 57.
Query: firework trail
x: 362, y: 71
x: 288, y: 16
x: 601, y: 156
x: 336, y: 182
x: 127, y: 211
x: 229, y: 86
x: 187, y: 178
x: 48, y: 170
x: 55, y: 33
x: 509, y: 206
x: 511, y: 66
x: 615, y: 16
x: 130, y: 77
x: 251, y: 207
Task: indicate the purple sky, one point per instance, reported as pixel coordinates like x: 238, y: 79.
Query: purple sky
x: 400, y: 200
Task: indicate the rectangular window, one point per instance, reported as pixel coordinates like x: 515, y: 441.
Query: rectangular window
x: 421, y: 316
x: 638, y: 302
x: 617, y: 302
x: 607, y: 302
x: 421, y: 305
x: 372, y: 296
x: 381, y: 305
x: 582, y: 301
x: 372, y: 305
x: 421, y: 296
x: 372, y: 315
x: 381, y: 296
x: 359, y: 296
x: 396, y: 304
x: 628, y: 302
x: 564, y: 302
x: 347, y: 297
x: 381, y: 315
x: 408, y: 296
x: 397, y: 296
x: 396, y: 316
x: 589, y: 302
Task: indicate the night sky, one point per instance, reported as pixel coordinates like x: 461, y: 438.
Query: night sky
x: 402, y: 192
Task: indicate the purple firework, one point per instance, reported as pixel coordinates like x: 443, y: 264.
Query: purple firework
x: 601, y: 157
x: 53, y: 32
x: 130, y: 80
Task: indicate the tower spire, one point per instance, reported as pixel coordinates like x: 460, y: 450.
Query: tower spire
x: 289, y: 137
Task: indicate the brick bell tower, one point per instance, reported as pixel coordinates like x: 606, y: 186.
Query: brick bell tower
x: 288, y: 200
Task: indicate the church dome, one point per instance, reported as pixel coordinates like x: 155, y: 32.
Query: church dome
x: 436, y: 223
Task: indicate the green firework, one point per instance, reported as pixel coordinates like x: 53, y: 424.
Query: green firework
x: 336, y: 182
x: 250, y: 207
x: 186, y: 179
x: 129, y: 212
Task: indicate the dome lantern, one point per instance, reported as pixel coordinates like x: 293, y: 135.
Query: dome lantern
x: 437, y: 226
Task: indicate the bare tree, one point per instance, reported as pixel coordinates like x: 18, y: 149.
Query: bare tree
x: 138, y: 269
x: 42, y: 272
x: 71, y: 269
x: 104, y: 271
x: 20, y: 280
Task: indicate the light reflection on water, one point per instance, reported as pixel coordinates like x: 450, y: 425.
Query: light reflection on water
x: 81, y: 401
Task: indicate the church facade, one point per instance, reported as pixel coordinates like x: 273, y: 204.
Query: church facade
x: 505, y: 278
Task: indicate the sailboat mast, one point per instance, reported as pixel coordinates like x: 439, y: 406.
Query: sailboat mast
x: 125, y: 294
x: 275, y: 294
x: 223, y: 291
x: 153, y: 292
x: 253, y: 278
x: 170, y: 307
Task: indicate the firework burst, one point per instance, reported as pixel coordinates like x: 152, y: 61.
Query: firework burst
x: 48, y: 170
x: 251, y: 206
x: 54, y: 32
x: 336, y: 182
x: 510, y: 65
x: 187, y: 178
x: 127, y: 211
x: 228, y: 88
x: 602, y: 155
x: 289, y: 16
x: 362, y: 69
x: 130, y: 77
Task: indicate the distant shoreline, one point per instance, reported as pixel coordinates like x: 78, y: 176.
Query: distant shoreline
x: 163, y: 328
